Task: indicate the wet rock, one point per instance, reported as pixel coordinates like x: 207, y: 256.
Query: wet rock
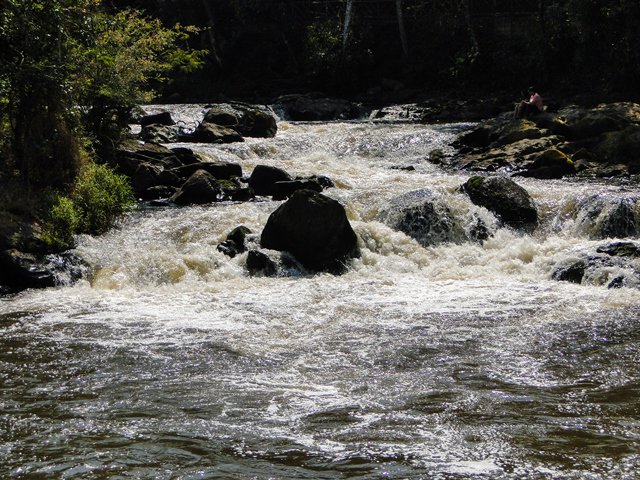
x: 159, y: 192
x: 22, y: 233
x: 264, y: 177
x: 502, y: 196
x: 186, y: 156
x: 157, y: 133
x: 162, y: 118
x: 212, y: 133
x: 570, y: 272
x: 235, y: 242
x: 421, y: 216
x: 602, y: 216
x: 314, y: 229
x: 132, y: 153
x: 200, y: 188
x: 259, y: 263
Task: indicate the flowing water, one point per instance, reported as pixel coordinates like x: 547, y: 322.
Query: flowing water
x: 455, y: 361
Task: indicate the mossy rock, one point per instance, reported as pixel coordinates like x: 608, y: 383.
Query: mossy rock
x: 520, y: 130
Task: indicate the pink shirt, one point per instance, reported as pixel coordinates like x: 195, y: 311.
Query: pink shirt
x: 536, y: 100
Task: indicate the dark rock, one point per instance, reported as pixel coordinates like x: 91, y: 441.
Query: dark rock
x: 235, y: 242
x: 314, y: 229
x: 502, y: 196
x: 247, y: 120
x: 186, y: 156
x: 201, y: 187
x: 316, y: 108
x: 259, y: 263
x: 131, y: 154
x: 159, y: 192
x: 263, y: 178
x: 620, y: 249
x: 283, y: 190
x: 20, y: 270
x: 145, y: 176
x: 212, y: 133
x: 162, y: 118
x: 572, y: 272
x: 157, y: 133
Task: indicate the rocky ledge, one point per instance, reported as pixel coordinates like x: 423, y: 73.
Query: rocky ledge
x: 591, y: 142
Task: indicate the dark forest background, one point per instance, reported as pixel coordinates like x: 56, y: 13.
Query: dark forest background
x: 260, y: 48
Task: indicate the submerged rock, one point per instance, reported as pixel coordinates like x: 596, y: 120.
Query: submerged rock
x: 502, y: 196
x: 314, y: 229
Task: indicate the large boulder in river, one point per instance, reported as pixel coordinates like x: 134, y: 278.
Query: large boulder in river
x: 314, y: 229
x: 504, y: 197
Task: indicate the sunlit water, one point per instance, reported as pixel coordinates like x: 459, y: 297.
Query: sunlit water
x: 459, y: 361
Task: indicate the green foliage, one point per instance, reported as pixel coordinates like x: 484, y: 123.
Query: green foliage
x: 101, y: 197
x: 57, y: 55
x: 97, y: 200
x: 62, y: 222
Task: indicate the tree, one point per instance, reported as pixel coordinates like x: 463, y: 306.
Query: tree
x: 70, y: 70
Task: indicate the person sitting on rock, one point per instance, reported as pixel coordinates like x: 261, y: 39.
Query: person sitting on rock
x: 532, y: 107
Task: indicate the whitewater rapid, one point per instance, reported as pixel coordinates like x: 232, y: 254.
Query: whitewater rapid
x: 458, y: 360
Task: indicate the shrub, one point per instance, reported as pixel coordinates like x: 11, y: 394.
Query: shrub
x: 98, y: 198
x: 101, y: 196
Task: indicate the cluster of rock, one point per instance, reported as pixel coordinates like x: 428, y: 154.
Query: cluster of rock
x: 182, y: 177
x: 426, y: 217
x: 222, y: 123
x: 601, y: 142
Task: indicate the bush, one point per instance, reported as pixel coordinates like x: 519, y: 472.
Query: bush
x: 101, y: 196
x: 98, y: 198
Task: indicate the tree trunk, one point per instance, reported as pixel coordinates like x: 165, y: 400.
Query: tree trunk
x: 347, y: 21
x: 211, y: 33
x: 401, y: 30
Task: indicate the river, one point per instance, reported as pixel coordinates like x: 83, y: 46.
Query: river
x: 456, y: 361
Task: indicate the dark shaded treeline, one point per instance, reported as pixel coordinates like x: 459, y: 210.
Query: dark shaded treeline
x: 263, y: 47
